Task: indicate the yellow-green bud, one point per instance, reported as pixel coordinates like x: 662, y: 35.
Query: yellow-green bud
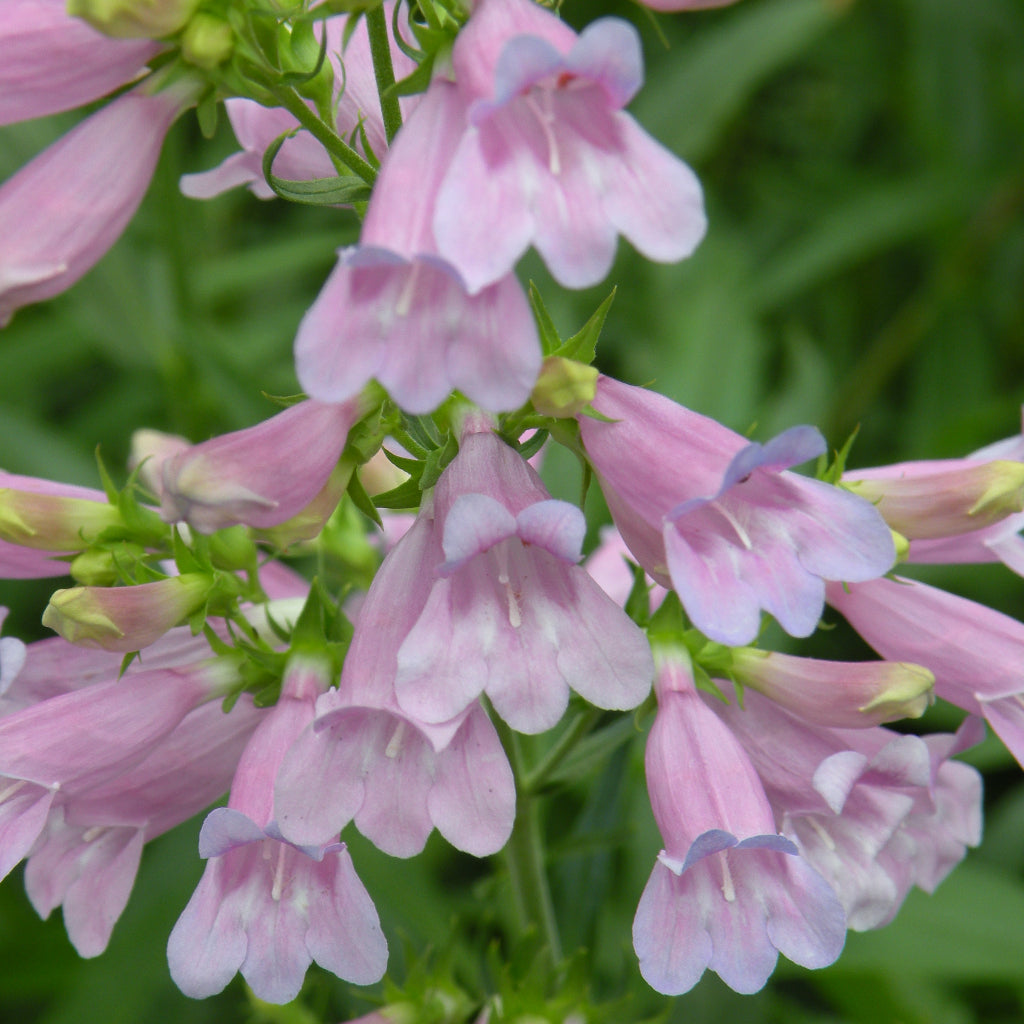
x: 134, y: 19
x: 103, y: 568
x: 125, y: 619
x: 207, y: 41
x: 49, y: 522
x: 564, y: 388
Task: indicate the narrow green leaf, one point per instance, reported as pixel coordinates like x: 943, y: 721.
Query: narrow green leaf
x: 550, y: 340
x: 582, y: 346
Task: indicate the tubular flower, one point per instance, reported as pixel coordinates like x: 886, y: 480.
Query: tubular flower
x: 398, y: 778
x: 512, y: 615
x: 975, y: 652
x: 721, y: 521
x: 265, y: 907
x: 873, y: 811
x: 394, y: 310
x: 728, y: 892
x: 549, y: 159
x: 261, y: 476
x: 63, y: 210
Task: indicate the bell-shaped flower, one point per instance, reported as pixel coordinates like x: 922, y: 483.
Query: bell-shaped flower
x: 363, y: 758
x: 265, y: 907
x: 873, y: 811
x: 88, y: 854
x: 394, y: 310
x: 721, y: 521
x: 64, y: 209
x: 975, y: 652
x: 728, y: 892
x: 80, y: 739
x: 512, y: 615
x: 261, y: 476
x: 549, y: 159
x: 51, y: 61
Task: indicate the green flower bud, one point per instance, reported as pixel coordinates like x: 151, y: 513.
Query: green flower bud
x: 134, y: 19
x: 207, y: 41
x: 564, y: 388
x: 103, y: 567
x: 49, y: 522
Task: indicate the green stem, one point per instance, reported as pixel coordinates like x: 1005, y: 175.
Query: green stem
x: 525, y: 856
x: 383, y: 70
x: 581, y: 725
x: 332, y: 142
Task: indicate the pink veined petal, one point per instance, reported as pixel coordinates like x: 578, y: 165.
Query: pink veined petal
x: 475, y: 523
x: 92, y: 879
x: 60, y: 212
x: 473, y: 800
x: 24, y: 807
x: 556, y: 526
x: 51, y: 61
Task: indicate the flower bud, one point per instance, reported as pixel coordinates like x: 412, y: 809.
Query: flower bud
x: 150, y: 449
x: 565, y: 387
x: 845, y: 695
x: 50, y: 522
x: 134, y: 19
x: 125, y: 619
x: 930, y: 500
x: 207, y: 41
x: 103, y: 568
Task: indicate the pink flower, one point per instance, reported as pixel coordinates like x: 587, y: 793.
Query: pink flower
x: 728, y: 892
x: 302, y: 158
x: 87, y: 856
x: 976, y: 653
x: 264, y: 907
x: 50, y: 61
x: 873, y: 811
x: 63, y: 210
x: 394, y: 310
x: 512, y: 615
x: 53, y: 529
x: 261, y: 476
x: 719, y: 519
x: 363, y: 758
x: 549, y: 159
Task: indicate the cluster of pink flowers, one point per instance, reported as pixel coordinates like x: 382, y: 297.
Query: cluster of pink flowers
x: 788, y: 814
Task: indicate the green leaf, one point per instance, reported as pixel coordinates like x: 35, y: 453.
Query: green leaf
x: 582, y: 346
x: 362, y: 501
x: 550, y: 340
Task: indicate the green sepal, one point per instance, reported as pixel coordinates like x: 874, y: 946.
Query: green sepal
x: 832, y: 473
x: 105, y: 479
x: 404, y: 497
x: 362, y: 501
x: 126, y: 662
x: 337, y: 191
x: 582, y: 346
x: 208, y: 114
x: 436, y: 462
x: 533, y: 444
x: 595, y: 415
x: 550, y: 339
x: 414, y: 467
x: 638, y: 603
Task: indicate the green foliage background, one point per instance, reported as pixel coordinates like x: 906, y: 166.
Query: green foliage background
x: 863, y: 162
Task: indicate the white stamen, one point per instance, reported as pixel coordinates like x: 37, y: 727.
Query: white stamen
x: 728, y: 889
x: 546, y: 117
x: 404, y: 303
x: 11, y: 789
x: 830, y: 843
x: 394, y: 747
x: 734, y: 523
x: 91, y: 833
x: 278, y: 886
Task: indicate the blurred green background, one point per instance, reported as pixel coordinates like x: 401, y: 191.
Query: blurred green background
x: 863, y: 162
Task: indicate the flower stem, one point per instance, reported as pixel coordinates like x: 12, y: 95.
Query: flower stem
x: 383, y: 70
x: 525, y: 856
x: 323, y: 133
